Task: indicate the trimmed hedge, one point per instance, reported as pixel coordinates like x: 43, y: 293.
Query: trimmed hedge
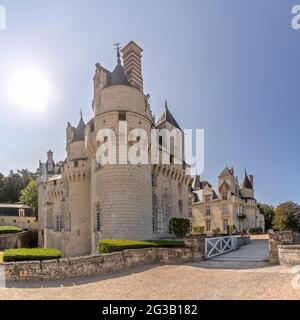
x: 9, y: 229
x: 31, y: 254
x: 108, y: 246
x: 255, y: 231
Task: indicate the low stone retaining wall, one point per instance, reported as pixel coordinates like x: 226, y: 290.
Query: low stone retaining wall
x: 243, y: 241
x: 97, y: 264
x: 18, y: 240
x: 279, y: 238
x: 289, y: 254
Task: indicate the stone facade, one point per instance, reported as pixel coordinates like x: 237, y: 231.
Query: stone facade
x: 97, y: 264
x: 228, y: 206
x: 82, y: 201
x: 18, y: 215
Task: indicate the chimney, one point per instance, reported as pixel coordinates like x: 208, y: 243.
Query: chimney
x: 132, y: 59
x: 251, y: 177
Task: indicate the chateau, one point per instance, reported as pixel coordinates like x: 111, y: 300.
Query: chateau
x: 82, y: 201
x: 230, y: 205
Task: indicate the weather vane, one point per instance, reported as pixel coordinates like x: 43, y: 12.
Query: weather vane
x: 117, y: 47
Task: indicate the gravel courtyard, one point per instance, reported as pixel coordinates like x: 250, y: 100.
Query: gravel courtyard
x: 233, y: 277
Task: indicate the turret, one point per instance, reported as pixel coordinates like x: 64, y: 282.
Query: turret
x: 246, y: 187
x: 121, y: 193
x: 50, y: 164
x: 76, y: 140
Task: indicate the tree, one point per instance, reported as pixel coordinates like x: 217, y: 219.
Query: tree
x: 287, y: 216
x: 11, y: 185
x: 179, y: 226
x: 269, y: 213
x: 29, y: 196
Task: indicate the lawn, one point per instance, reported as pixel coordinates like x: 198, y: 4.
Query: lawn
x: 1, y: 257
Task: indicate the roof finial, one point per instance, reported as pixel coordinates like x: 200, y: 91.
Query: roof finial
x: 166, y: 104
x: 117, y: 47
x: 80, y: 112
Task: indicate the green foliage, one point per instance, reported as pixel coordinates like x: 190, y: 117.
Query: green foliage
x: 9, y: 229
x: 269, y: 213
x: 11, y: 186
x: 179, y: 226
x: 232, y: 229
x: 198, y: 229
x: 29, y: 196
x: 107, y: 246
x: 216, y: 231
x: 287, y: 216
x: 31, y: 254
x: 256, y: 231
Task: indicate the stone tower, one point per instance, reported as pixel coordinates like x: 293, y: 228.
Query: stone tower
x: 121, y: 193
x: 84, y: 199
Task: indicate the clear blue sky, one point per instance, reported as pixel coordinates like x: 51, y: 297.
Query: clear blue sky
x: 230, y: 67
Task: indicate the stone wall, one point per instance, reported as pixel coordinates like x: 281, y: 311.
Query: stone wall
x: 289, y: 254
x: 24, y: 239
x: 278, y: 238
x: 97, y: 264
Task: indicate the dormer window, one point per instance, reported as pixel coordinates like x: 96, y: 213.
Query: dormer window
x: 224, y: 196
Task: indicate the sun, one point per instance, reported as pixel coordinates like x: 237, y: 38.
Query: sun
x: 29, y: 89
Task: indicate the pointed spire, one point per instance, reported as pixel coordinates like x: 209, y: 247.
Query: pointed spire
x: 117, y: 47
x: 118, y: 76
x: 166, y: 116
x: 78, y: 132
x: 246, y: 184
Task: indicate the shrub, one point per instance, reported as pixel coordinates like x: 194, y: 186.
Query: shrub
x: 232, y: 229
x: 31, y: 254
x: 107, y: 246
x: 256, y: 231
x: 198, y: 229
x: 216, y: 231
x: 9, y: 229
x: 179, y: 226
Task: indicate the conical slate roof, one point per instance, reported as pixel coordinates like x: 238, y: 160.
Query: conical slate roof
x: 118, y: 75
x: 167, y: 117
x: 246, y: 184
x: 78, y: 133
